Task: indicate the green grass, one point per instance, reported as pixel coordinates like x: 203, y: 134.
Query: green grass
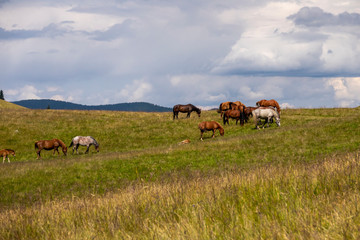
x: 142, y: 150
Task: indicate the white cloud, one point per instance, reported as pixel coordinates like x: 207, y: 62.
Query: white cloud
x: 136, y: 91
x: 286, y: 105
x: 58, y: 97
x: 26, y: 92
x: 346, y: 91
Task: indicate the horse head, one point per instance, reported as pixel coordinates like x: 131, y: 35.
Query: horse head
x: 198, y: 111
x: 64, y: 149
x: 222, y: 131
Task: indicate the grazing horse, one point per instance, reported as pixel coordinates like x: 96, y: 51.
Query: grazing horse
x: 267, y: 114
x: 5, y: 154
x: 210, y: 126
x: 269, y: 103
x: 185, y: 109
x: 224, y: 107
x: 84, y: 141
x: 237, y: 105
x: 50, y: 144
x: 248, y: 112
x: 235, y: 114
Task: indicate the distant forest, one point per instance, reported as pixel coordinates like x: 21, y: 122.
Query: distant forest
x: 53, y: 104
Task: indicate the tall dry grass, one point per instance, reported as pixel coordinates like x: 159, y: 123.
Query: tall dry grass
x: 317, y: 200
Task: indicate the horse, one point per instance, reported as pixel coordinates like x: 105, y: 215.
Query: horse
x: 237, y: 105
x: 267, y: 103
x: 185, y: 109
x: 224, y: 106
x: 210, y: 126
x: 50, y: 144
x: 5, y: 153
x: 235, y: 114
x: 248, y: 112
x: 84, y: 141
x: 267, y: 114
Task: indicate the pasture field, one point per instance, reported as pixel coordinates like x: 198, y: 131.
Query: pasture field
x: 298, y: 181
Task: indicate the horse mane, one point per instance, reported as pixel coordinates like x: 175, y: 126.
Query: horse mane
x: 61, y: 142
x: 95, y: 142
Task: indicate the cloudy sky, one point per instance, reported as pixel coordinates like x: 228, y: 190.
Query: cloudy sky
x: 303, y: 53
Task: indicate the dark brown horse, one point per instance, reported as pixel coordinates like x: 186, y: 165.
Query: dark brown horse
x: 210, y: 126
x: 185, y: 109
x: 224, y: 106
x: 248, y: 112
x: 235, y: 114
x: 49, y: 145
x: 5, y: 154
x: 269, y: 103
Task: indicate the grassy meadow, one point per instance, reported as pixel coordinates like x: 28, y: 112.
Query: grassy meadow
x: 298, y: 181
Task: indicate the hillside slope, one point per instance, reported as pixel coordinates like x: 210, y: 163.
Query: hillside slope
x: 9, y: 105
x: 54, y: 104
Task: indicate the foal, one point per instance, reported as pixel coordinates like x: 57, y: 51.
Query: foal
x: 210, y: 126
x: 5, y: 153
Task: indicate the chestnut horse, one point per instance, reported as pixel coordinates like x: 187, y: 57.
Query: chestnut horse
x: 185, y: 109
x: 224, y: 107
x: 5, y: 153
x: 50, y: 144
x: 210, y: 126
x: 269, y: 103
x: 235, y: 114
x: 237, y: 105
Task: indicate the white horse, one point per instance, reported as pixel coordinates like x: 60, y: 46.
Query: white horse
x: 84, y: 141
x: 267, y: 114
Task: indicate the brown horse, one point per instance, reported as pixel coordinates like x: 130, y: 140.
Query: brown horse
x: 236, y: 105
x: 235, y: 114
x: 269, y: 103
x: 224, y: 107
x: 5, y: 153
x: 185, y: 109
x: 248, y: 112
x: 210, y: 126
x: 50, y: 144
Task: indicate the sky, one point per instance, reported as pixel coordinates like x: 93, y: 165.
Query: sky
x: 303, y: 53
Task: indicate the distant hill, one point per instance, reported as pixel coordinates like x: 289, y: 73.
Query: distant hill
x: 9, y: 105
x: 54, y: 104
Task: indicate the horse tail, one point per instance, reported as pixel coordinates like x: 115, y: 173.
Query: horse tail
x: 219, y: 110
x: 277, y: 107
x: 36, y: 146
x: 224, y: 118
x: 72, y: 143
x: 242, y: 115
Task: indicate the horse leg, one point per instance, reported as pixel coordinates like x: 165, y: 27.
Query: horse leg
x: 77, y: 146
x: 38, y: 154
x: 213, y: 133
x: 4, y: 158
x: 87, y: 150
x: 56, y: 149
x: 188, y: 115
x: 201, y: 135
x: 8, y: 159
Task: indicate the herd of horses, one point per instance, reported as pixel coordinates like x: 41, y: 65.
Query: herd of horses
x: 54, y: 144
x: 265, y: 109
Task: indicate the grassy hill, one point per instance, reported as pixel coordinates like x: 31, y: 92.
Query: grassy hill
x: 297, y: 181
x: 8, y: 105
